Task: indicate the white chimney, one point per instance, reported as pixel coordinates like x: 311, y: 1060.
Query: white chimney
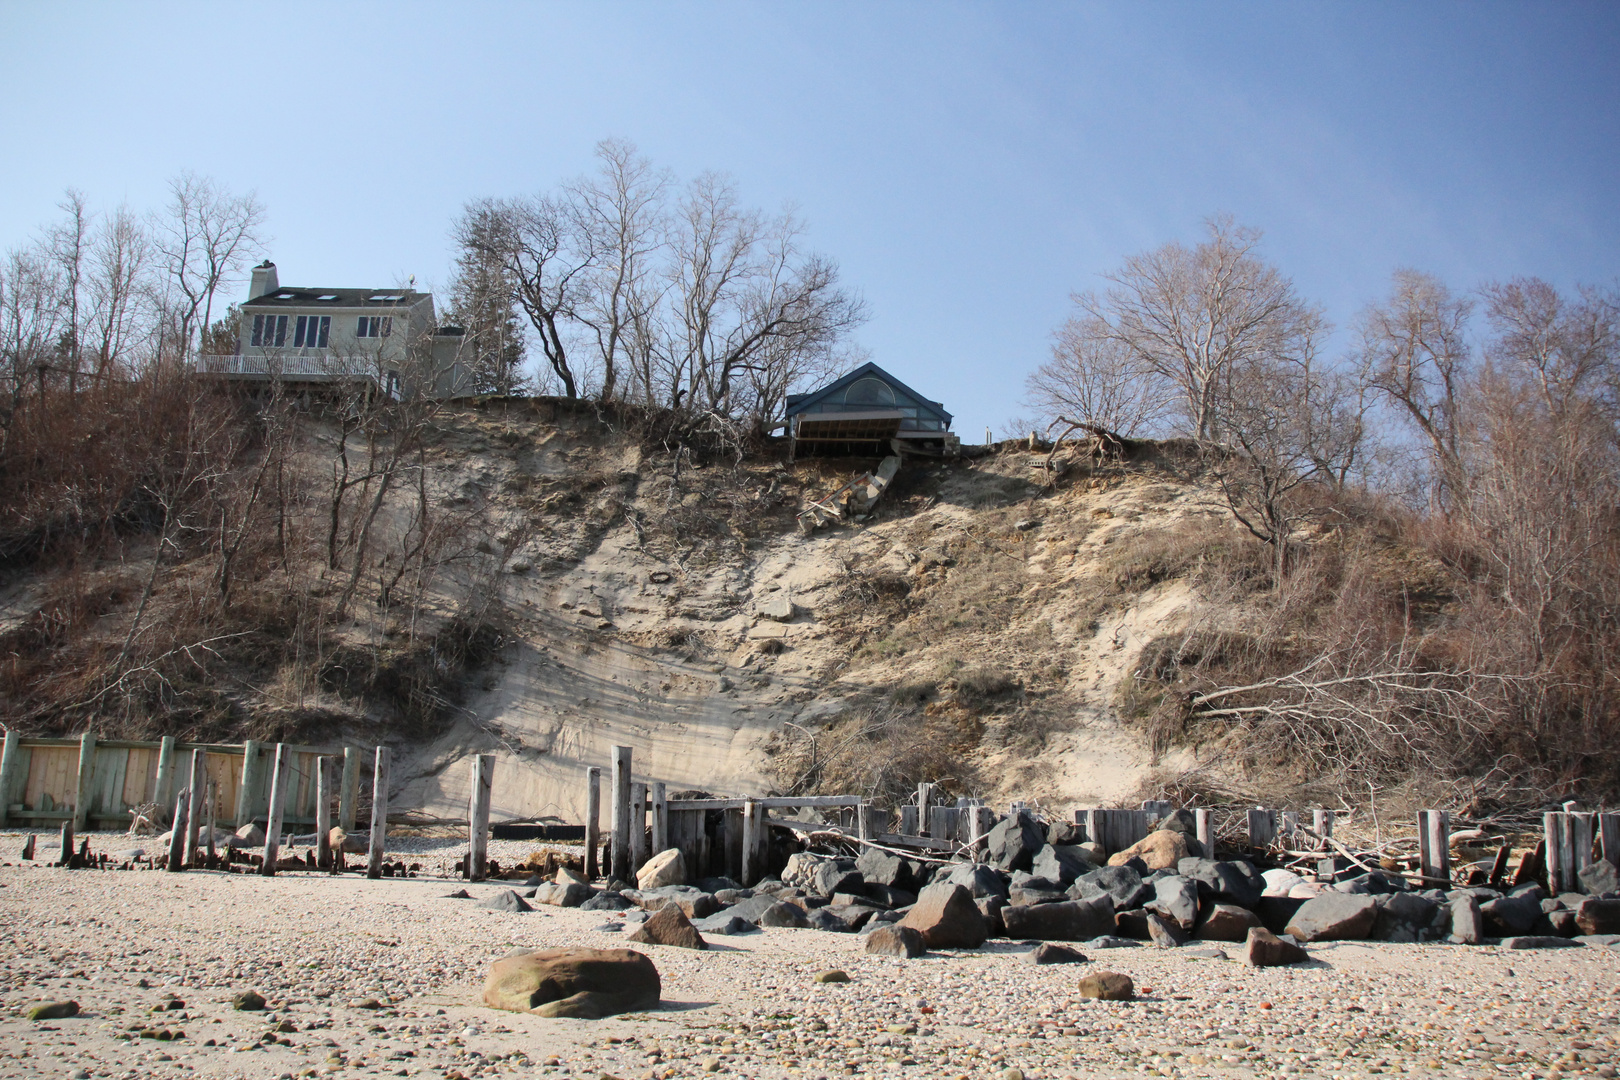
x: 264, y: 280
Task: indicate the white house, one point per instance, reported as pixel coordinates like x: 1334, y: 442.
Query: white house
x: 388, y: 337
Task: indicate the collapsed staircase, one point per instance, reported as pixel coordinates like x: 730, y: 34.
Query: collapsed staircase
x: 851, y: 502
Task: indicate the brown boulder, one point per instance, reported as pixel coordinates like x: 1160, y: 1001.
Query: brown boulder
x: 1597, y: 916
x: 1160, y: 850
x: 947, y: 918
x: 581, y: 983
x: 895, y: 941
x: 1265, y: 949
x: 1227, y: 922
x: 669, y: 926
x: 1107, y: 986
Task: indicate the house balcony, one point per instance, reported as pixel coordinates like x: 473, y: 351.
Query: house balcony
x: 300, y: 367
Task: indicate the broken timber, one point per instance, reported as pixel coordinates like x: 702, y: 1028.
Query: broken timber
x: 853, y: 500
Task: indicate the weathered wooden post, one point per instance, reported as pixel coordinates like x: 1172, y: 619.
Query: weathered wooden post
x: 925, y: 799
x: 349, y: 795
x: 9, y: 758
x: 978, y: 827
x: 483, y: 781
x: 247, y: 792
x: 593, y: 821
x: 1580, y: 835
x: 1204, y: 830
x: 1322, y: 825
x: 660, y: 817
x: 1434, y: 847
x: 163, y: 782
x: 1558, y: 856
x: 908, y: 821
x: 379, y: 813
x: 197, y: 781
x: 1609, y: 834
x: 325, y: 769
x: 177, y: 834
x: 209, y: 798
x: 620, y: 867
x: 87, y: 768
x: 750, y: 867
x: 1157, y: 810
x: 942, y: 822
x: 638, y: 828
x: 865, y: 826
x: 1262, y: 828
x: 67, y: 843
x: 280, y: 774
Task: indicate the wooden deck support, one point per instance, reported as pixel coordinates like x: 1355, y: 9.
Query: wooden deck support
x: 280, y: 776
x: 1434, y: 848
x: 349, y: 795
x: 197, y: 785
x: 247, y: 792
x: 659, y: 807
x: 87, y: 768
x: 325, y: 769
x: 9, y: 757
x: 163, y: 789
x: 638, y: 829
x: 1204, y: 830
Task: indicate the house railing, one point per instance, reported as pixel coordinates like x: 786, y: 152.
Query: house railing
x: 272, y: 366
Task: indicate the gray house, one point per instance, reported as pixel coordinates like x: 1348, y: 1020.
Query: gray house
x: 310, y: 336
x: 868, y: 411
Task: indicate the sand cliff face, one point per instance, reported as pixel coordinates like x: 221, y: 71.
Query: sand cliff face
x: 683, y: 614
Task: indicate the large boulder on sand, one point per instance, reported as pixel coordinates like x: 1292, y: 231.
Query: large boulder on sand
x: 1597, y: 916
x: 1073, y: 920
x: 1262, y: 948
x: 668, y: 867
x: 1334, y: 917
x: 1160, y: 850
x: 582, y: 983
x: 947, y: 918
x: 249, y: 835
x: 1061, y: 863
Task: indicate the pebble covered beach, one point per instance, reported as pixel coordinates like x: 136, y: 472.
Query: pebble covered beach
x: 381, y: 978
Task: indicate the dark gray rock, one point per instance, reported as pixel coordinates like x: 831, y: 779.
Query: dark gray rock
x: 1165, y: 933
x: 1013, y: 843
x: 784, y: 915
x: 1540, y: 941
x: 1033, y: 892
x: 853, y: 916
x: 1403, y: 916
x: 1121, y: 884
x: 1262, y: 948
x: 606, y: 901
x: 1062, y: 832
x: 881, y: 868
x: 1112, y: 941
x: 1048, y: 953
x: 1061, y: 864
x: 1563, y: 923
x: 730, y: 927
x: 1509, y: 915
x: 1467, y: 924
x: 572, y: 894
x: 947, y: 918
x: 824, y: 919
x: 1276, y: 911
x: 978, y: 879
x: 1334, y: 916
x: 727, y: 897
x: 716, y: 884
x: 1600, y: 878
x: 1175, y: 899
x: 990, y: 907
x: 833, y: 877
x: 1597, y: 915
x: 506, y: 900
x: 1133, y: 924
x: 1073, y: 920
x: 1231, y: 882
x: 888, y: 895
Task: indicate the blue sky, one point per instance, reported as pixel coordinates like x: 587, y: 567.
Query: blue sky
x: 969, y: 165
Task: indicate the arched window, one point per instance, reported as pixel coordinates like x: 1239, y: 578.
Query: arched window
x: 869, y: 391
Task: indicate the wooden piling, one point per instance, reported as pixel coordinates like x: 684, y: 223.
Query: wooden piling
x: 865, y: 824
x: 280, y: 774
x: 87, y: 768
x: 247, y: 801
x: 925, y: 799
x: 638, y: 828
x: 659, y: 807
x: 197, y: 782
x: 1322, y: 825
x: 67, y: 843
x: 750, y: 859
x: 379, y: 813
x: 177, y: 834
x: 1609, y: 837
x: 483, y: 780
x: 593, y: 821
x: 349, y: 791
x: 1554, y: 826
x: 1262, y: 828
x: 620, y: 870
x: 325, y: 769
x: 979, y: 825
x: 1580, y: 835
x: 1434, y: 848
x: 163, y: 783
x: 1204, y: 830
x: 209, y: 796
x: 9, y: 758
x: 942, y: 822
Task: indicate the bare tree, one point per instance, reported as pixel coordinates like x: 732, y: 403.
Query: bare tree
x: 120, y: 257
x: 68, y: 244
x: 1570, y: 347
x: 1095, y: 378
x: 1193, y: 317
x: 1414, y: 350
x: 204, y: 237
x: 619, y: 219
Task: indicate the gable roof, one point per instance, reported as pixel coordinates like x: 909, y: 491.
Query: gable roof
x: 296, y: 296
x: 797, y: 403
